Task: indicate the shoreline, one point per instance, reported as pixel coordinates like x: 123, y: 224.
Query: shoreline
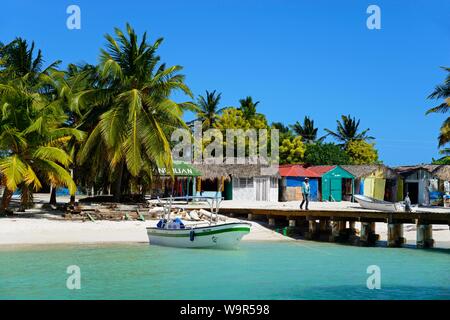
x: 42, y: 231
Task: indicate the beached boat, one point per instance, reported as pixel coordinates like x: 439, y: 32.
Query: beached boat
x: 375, y: 204
x: 208, y: 234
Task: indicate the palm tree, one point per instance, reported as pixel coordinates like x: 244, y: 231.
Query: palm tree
x: 307, y: 130
x: 33, y: 137
x: 133, y: 134
x: 32, y: 124
x: 347, y: 130
x: 442, y: 91
x: 17, y: 60
x: 248, y: 107
x: 208, y: 108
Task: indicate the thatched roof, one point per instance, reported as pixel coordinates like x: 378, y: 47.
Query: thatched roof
x: 361, y: 171
x: 212, y: 171
x: 442, y: 172
x: 407, y: 169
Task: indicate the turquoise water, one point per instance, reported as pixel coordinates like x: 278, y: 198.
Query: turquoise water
x: 256, y: 271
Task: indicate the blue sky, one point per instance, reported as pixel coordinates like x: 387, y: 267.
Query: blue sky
x: 298, y: 58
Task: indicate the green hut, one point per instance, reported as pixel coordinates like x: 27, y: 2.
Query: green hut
x: 336, y: 184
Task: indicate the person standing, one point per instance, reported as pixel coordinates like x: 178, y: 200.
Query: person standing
x: 306, y: 189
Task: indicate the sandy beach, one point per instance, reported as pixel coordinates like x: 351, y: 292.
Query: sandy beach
x: 44, y: 231
x: 48, y: 228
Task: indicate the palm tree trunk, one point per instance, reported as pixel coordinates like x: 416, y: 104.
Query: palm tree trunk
x: 53, y: 195
x: 6, y: 199
x: 72, y: 196
x: 118, y: 183
x: 25, y: 198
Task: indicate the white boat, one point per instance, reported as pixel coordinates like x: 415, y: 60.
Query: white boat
x: 224, y: 236
x: 209, y: 234
x: 381, y: 205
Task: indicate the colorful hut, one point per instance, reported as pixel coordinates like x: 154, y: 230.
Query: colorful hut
x: 292, y: 178
x: 375, y: 181
x: 423, y: 183
x: 336, y: 184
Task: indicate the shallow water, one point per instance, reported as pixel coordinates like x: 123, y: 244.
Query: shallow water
x: 258, y: 270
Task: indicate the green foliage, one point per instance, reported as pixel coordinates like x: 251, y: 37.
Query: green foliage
x: 284, y: 131
x: 442, y: 91
x: 208, y: 108
x: 361, y: 152
x: 348, y: 130
x: 292, y: 151
x: 325, y: 154
x: 307, y: 131
x: 132, y: 133
x: 444, y: 160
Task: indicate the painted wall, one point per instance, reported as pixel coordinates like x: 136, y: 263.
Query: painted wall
x: 249, y: 193
x: 332, y: 184
x: 298, y: 182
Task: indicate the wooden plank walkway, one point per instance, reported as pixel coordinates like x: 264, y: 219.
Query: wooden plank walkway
x: 350, y: 215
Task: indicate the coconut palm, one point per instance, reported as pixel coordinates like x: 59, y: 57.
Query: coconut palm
x: 33, y: 137
x: 442, y: 91
x: 133, y: 134
x: 208, y: 108
x: 17, y: 60
x: 248, y: 107
x: 347, y: 130
x: 307, y: 130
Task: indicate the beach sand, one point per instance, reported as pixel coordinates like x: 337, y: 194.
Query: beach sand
x: 45, y: 231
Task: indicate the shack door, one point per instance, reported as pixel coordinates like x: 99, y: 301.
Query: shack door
x: 336, y: 189
x: 262, y: 189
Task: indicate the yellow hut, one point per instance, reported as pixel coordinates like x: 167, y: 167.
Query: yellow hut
x: 376, y: 181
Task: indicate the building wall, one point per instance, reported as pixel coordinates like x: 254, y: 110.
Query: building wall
x: 247, y: 190
x: 297, y: 182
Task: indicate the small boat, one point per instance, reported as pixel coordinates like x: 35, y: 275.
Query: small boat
x: 208, y: 234
x: 381, y: 205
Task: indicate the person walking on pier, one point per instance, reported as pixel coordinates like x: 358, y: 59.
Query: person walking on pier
x: 306, y: 189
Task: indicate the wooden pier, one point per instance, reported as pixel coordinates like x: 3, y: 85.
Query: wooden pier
x: 332, y: 224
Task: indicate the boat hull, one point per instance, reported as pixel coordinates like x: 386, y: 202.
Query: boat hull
x: 373, y: 204
x: 223, y: 236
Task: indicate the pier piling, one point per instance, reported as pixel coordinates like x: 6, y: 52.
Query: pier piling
x: 424, y: 236
x: 337, y: 230
x: 312, y: 230
x: 395, y: 235
x: 367, y: 234
x: 272, y: 222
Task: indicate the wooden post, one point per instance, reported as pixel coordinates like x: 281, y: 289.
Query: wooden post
x: 250, y: 217
x: 367, y: 236
x: 312, y: 230
x: 395, y: 235
x: 272, y: 222
x: 337, y: 228
x: 424, y: 236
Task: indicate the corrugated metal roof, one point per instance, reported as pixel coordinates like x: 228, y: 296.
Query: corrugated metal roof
x: 321, y: 170
x: 297, y: 170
